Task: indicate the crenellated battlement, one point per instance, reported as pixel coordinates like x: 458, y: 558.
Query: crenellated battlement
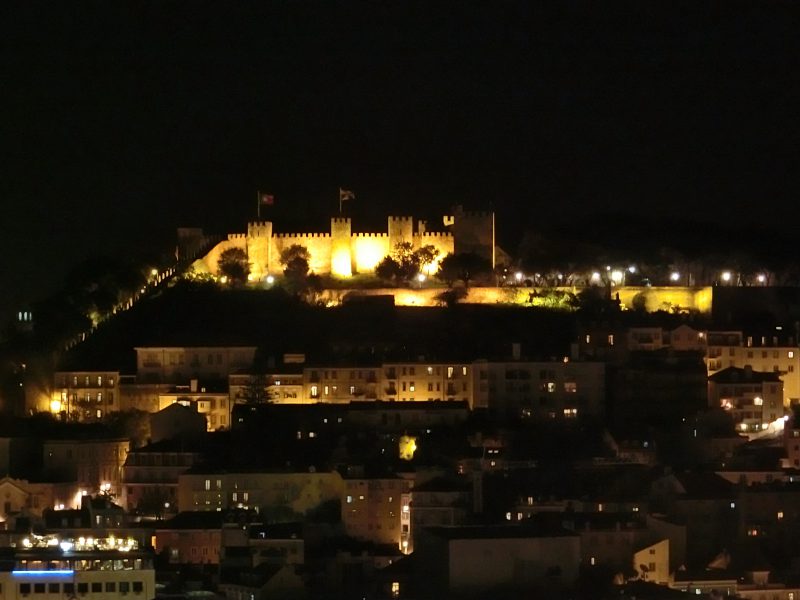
x: 371, y: 235
x: 299, y: 236
x: 342, y: 251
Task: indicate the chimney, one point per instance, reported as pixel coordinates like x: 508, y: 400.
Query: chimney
x: 193, y: 386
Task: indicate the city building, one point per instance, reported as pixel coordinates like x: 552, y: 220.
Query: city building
x: 47, y: 566
x: 372, y: 508
x: 180, y: 364
x: 85, y: 395
x: 548, y: 389
x: 753, y: 398
x: 150, y: 475
x: 94, y: 465
x: 285, y: 493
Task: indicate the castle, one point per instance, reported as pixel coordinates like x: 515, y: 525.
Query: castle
x: 344, y: 253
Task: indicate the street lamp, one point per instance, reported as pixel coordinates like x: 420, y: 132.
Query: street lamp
x: 674, y: 276
x: 726, y: 276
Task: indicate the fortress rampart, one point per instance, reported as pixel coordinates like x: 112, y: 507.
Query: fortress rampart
x: 341, y: 251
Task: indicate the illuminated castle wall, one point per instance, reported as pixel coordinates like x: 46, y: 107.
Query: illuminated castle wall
x: 344, y: 253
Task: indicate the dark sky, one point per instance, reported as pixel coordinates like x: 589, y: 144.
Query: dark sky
x: 120, y: 121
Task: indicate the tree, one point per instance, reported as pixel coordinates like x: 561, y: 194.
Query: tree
x: 388, y: 270
x: 233, y: 265
x: 465, y: 266
x: 404, y: 255
x: 295, y: 261
x: 426, y: 256
x: 255, y: 390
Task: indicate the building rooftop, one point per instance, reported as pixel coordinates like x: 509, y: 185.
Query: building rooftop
x: 744, y: 375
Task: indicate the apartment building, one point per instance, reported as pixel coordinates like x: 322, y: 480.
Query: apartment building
x: 85, y: 395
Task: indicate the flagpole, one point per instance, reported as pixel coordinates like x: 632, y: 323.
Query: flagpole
x: 258, y: 204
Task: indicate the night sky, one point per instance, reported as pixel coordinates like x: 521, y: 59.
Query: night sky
x: 121, y: 121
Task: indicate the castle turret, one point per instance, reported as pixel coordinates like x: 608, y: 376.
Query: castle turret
x: 259, y: 244
x: 341, y: 257
x: 401, y: 229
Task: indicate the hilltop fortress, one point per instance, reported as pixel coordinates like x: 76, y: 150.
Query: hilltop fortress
x: 344, y: 253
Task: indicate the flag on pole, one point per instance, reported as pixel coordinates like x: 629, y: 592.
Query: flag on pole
x: 267, y: 199
x: 346, y: 195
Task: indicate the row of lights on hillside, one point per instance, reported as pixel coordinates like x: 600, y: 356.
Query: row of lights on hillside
x: 617, y: 276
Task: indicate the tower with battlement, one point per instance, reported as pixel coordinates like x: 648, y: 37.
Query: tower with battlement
x: 473, y: 232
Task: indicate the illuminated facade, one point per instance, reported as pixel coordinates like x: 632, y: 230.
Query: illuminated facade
x: 343, y: 252
x: 296, y: 491
x: 53, y: 567
x: 92, y: 464
x: 372, y: 509
x: 762, y: 353
x: 753, y: 398
x: 179, y: 364
x: 85, y: 395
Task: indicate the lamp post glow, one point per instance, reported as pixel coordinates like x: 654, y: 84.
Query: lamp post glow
x: 674, y: 276
x: 595, y: 276
x: 726, y: 276
x: 761, y: 278
x: 617, y: 276
x: 270, y: 279
x: 518, y: 276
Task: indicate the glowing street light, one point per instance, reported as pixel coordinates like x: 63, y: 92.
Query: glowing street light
x: 518, y: 276
x: 761, y: 278
x: 674, y: 276
x: 595, y: 276
x: 726, y: 276
x: 420, y: 277
x: 616, y: 276
x: 632, y: 269
x: 270, y: 279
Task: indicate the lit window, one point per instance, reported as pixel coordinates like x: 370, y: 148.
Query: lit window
x: 208, y: 484
x: 551, y: 386
x: 611, y: 339
x: 235, y: 496
x: 758, y: 401
x: 780, y: 515
x: 430, y: 370
x: 599, y: 508
x: 791, y: 353
x: 588, y: 339
x: 314, y: 391
x: 352, y: 390
x: 463, y: 370
x: 100, y: 378
x: 508, y: 516
x: 246, y: 496
x: 449, y: 372
x: 411, y: 387
x: 327, y: 390
x: 570, y: 387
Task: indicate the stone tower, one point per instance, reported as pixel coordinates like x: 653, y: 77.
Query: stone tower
x: 341, y: 257
x: 259, y: 246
